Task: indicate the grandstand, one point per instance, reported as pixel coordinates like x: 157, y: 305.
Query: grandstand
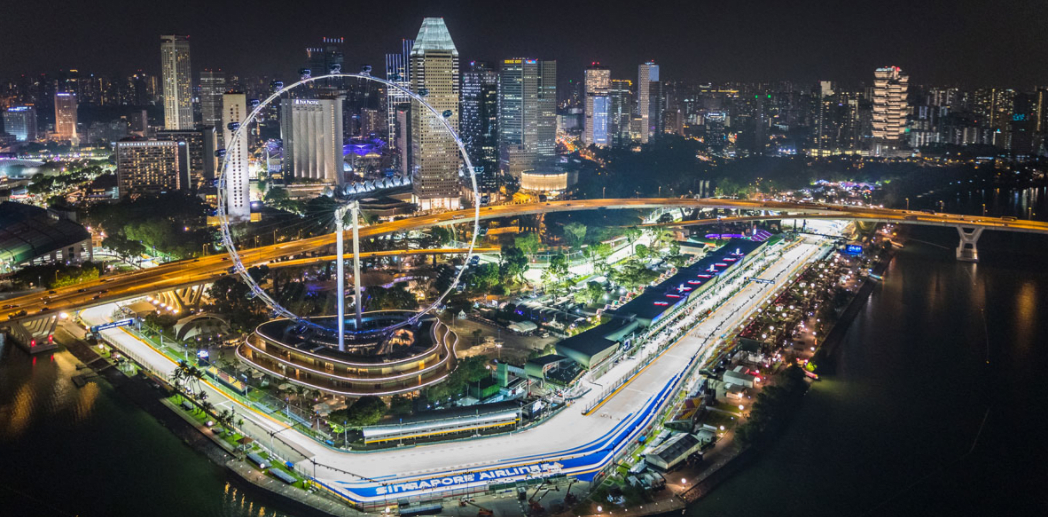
x: 443, y: 422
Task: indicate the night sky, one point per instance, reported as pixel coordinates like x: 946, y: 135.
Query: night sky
x: 969, y: 43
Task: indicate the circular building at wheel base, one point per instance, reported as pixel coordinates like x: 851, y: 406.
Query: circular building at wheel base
x: 376, y: 361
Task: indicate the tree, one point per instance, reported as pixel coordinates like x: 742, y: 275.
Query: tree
x: 528, y: 243
x: 395, y: 297
x: 632, y: 234
x: 512, y: 264
x: 363, y: 412
x: 234, y: 298
x: 641, y: 252
x: 589, y: 295
x: 444, y: 235
x: 276, y: 196
x: 575, y: 233
x: 400, y: 405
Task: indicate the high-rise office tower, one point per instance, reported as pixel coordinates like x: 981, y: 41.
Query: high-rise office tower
x: 371, y: 123
x: 397, y: 71
x: 65, y: 116
x: 212, y: 86
x: 326, y: 59
x: 177, y: 77
x: 620, y: 112
x: 889, y: 108
x: 649, y: 101
x: 238, y: 182
x: 151, y: 166
x: 329, y: 58
x: 597, y: 81
x: 312, y: 133
x: 434, y: 70
x: 20, y: 122
x: 403, y: 132
x: 527, y: 116
x: 140, y: 90
x: 479, y: 122
x: 1040, y: 123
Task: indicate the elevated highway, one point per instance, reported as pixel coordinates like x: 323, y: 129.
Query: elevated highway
x: 207, y: 269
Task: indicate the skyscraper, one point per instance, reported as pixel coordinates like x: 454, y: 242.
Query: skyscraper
x: 237, y: 184
x: 312, y: 133
x: 20, y: 122
x: 597, y: 104
x: 620, y: 112
x: 212, y: 86
x: 527, y: 116
x: 649, y: 101
x: 434, y: 70
x: 177, y: 77
x: 397, y: 71
x: 479, y: 122
x: 326, y: 59
x: 889, y: 108
x: 65, y: 116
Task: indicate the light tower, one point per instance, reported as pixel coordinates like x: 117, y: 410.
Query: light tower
x: 340, y: 273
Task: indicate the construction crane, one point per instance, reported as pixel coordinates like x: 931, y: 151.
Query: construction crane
x: 481, y: 511
x: 570, y: 499
x: 536, y: 507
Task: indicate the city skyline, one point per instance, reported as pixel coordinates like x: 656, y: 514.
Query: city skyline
x: 698, y: 43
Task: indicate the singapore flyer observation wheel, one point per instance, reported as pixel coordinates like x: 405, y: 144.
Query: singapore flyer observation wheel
x: 438, y: 120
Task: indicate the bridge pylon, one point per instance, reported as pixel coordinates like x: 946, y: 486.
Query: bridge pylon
x: 966, y: 250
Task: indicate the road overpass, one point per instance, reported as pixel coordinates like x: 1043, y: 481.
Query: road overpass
x: 206, y: 269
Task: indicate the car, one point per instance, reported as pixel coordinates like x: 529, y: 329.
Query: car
x: 51, y: 292
x: 103, y: 291
x: 95, y: 297
x: 45, y: 309
x: 82, y: 289
x: 10, y: 306
x: 103, y: 280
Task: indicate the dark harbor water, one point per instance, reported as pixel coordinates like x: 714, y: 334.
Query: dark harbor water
x: 938, y: 407
x: 91, y: 452
x: 938, y: 404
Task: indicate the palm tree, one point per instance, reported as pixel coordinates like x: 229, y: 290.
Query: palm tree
x: 207, y: 407
x: 196, y: 374
x: 176, y: 379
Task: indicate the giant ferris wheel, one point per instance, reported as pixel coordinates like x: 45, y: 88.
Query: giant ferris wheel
x: 437, y: 121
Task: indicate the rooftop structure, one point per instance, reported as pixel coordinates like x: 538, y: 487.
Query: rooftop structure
x: 29, y: 233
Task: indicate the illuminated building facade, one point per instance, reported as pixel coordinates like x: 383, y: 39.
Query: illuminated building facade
x: 65, y: 116
x: 151, y: 166
x: 890, y: 87
x: 238, y: 181
x: 177, y: 77
x: 597, y: 105
x: 434, y: 70
x: 527, y: 116
x: 20, y: 122
x: 312, y: 133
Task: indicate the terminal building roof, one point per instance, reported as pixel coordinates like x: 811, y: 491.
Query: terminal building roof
x: 28, y: 232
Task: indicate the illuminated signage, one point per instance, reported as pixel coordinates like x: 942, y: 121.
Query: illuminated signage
x: 106, y: 326
x: 853, y: 249
x: 472, y: 477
